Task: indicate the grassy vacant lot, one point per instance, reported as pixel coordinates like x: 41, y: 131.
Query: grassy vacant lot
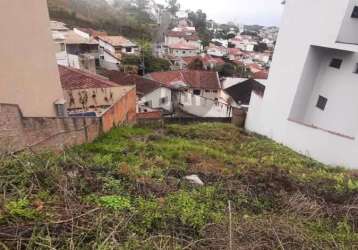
x: 126, y: 191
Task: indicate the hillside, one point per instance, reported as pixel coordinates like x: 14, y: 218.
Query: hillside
x: 124, y: 18
x: 127, y: 190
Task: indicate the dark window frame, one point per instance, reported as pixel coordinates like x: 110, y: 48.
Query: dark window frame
x: 336, y: 63
x: 197, y: 92
x: 321, y: 102
x: 355, y: 12
x: 164, y: 100
x: 148, y: 104
x: 356, y: 69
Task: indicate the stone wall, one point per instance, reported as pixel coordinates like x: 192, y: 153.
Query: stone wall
x: 18, y: 133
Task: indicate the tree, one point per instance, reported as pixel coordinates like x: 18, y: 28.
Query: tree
x: 260, y: 47
x: 196, y: 64
x: 227, y: 70
x: 141, y: 4
x: 173, y: 6
x: 199, y: 21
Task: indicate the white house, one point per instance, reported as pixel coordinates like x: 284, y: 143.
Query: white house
x: 310, y: 102
x: 151, y: 94
x: 112, y: 49
x: 73, y: 48
x: 197, y: 92
x: 183, y: 50
x: 218, y: 51
x: 244, y: 42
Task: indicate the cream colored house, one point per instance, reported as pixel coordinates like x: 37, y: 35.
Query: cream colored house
x: 29, y: 75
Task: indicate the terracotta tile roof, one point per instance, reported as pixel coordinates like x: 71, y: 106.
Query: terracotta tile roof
x: 183, y: 46
x: 234, y: 51
x: 144, y: 86
x: 72, y: 37
x: 263, y: 74
x: 206, y: 59
x: 117, y: 41
x: 194, y: 78
x: 187, y: 35
x: 77, y: 79
x: 92, y: 32
x: 254, y: 67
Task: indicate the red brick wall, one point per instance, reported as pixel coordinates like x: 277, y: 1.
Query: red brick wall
x: 124, y: 111
x: 18, y: 132
x: 149, y: 115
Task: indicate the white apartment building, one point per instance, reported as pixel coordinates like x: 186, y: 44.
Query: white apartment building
x: 310, y: 103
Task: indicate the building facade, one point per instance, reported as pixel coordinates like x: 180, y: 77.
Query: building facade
x: 29, y: 76
x: 310, y: 103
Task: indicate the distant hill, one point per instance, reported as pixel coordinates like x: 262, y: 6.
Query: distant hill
x: 123, y: 19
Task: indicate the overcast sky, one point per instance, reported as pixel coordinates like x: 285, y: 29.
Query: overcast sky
x: 264, y: 12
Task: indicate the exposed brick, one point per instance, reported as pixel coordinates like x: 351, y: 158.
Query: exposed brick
x: 17, y: 132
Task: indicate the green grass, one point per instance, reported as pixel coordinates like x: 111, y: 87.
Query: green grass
x: 127, y: 190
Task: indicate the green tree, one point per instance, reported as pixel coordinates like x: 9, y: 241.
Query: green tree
x: 199, y: 20
x: 227, y: 70
x: 173, y: 6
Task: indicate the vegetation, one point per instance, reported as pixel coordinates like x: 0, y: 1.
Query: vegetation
x: 199, y: 20
x: 127, y: 191
x: 125, y: 17
x: 151, y: 63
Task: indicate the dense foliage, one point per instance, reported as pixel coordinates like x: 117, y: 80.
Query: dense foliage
x: 127, y: 191
x: 125, y: 17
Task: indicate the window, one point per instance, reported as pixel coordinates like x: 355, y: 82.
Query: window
x: 322, y: 102
x: 355, y: 12
x: 215, y: 91
x: 148, y: 104
x: 196, y: 92
x: 163, y: 100
x: 207, y: 91
x: 336, y: 63
x: 356, y: 69
x: 184, y: 52
x: 102, y: 57
x: 128, y: 50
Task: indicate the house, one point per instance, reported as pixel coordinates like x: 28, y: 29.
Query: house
x: 182, y: 49
x: 183, y: 35
x: 74, y: 49
x: 195, y: 92
x: 89, y: 33
x: 209, y: 62
x: 152, y: 95
x: 217, y: 51
x: 245, y: 43
x: 242, y: 90
x: 89, y: 94
x: 112, y: 50
x: 310, y: 102
x: 235, y: 54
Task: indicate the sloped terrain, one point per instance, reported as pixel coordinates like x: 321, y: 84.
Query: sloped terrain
x: 128, y: 190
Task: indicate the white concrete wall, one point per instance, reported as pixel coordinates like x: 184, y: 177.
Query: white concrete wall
x: 81, y: 33
x: 203, y: 107
x: 306, y: 23
x: 183, y: 53
x: 155, y: 98
x: 348, y: 32
x: 106, y: 46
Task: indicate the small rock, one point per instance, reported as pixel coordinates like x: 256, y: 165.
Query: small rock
x: 194, y: 179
